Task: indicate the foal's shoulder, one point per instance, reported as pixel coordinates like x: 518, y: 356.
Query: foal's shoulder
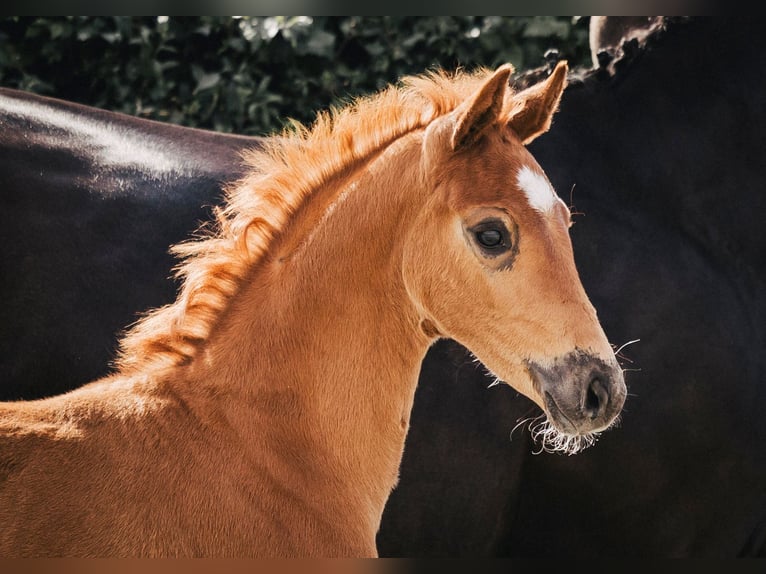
x: 71, y: 415
x: 94, y: 418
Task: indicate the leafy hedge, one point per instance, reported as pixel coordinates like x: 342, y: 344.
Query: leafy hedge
x: 248, y: 74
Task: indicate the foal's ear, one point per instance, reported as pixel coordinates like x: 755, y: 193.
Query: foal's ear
x: 534, y: 107
x: 482, y: 109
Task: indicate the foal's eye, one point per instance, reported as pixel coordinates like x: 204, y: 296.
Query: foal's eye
x: 492, y: 236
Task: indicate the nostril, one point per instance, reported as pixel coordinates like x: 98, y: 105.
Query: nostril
x: 596, y: 398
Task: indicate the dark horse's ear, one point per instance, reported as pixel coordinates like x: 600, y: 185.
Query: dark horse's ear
x: 534, y: 107
x: 481, y: 111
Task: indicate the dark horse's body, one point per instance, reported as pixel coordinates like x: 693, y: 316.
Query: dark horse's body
x: 665, y: 161
x: 90, y: 201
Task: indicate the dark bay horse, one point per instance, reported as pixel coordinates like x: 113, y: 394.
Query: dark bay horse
x: 264, y: 412
x: 661, y: 161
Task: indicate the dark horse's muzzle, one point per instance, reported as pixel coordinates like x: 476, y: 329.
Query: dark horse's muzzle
x: 582, y: 393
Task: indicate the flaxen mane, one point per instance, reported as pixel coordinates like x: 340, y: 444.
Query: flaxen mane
x: 285, y: 172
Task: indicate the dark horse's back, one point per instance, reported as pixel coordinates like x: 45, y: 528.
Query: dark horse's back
x: 664, y: 160
x: 90, y: 201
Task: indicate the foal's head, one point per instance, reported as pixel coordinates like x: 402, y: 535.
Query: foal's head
x: 490, y: 262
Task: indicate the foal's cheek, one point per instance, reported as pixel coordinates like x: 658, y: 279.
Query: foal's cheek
x: 447, y: 285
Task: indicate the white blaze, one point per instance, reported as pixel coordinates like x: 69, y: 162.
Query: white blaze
x: 537, y: 189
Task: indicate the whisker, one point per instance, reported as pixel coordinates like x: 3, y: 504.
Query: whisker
x: 521, y: 422
x: 552, y: 440
x: 497, y: 381
x: 625, y: 345
x: 572, y: 209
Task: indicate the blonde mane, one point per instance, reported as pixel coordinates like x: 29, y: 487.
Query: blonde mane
x: 283, y: 175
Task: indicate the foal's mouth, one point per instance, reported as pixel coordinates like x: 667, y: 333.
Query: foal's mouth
x: 558, y: 418
x: 581, y: 393
x: 554, y: 432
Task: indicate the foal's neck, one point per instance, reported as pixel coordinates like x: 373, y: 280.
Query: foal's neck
x: 322, y: 348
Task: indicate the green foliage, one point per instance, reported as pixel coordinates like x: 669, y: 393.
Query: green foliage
x: 249, y: 74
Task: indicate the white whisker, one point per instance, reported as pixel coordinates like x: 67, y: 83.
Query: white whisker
x: 495, y: 379
x: 552, y: 440
x: 626, y: 344
x: 521, y: 423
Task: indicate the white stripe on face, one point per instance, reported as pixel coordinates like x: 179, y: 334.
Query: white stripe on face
x: 537, y: 189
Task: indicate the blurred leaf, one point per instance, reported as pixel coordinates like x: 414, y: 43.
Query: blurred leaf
x: 546, y: 26
x: 207, y: 81
x: 320, y: 43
